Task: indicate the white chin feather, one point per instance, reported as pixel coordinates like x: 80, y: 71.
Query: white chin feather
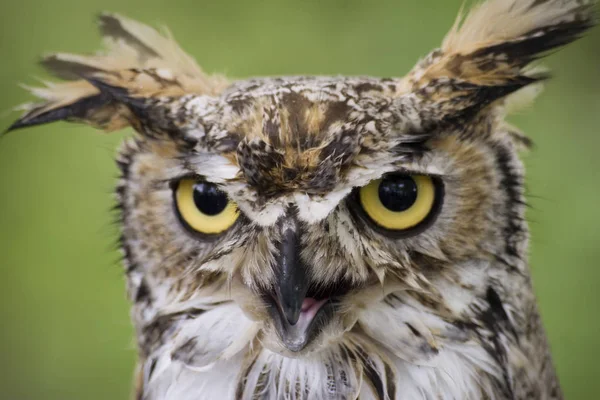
x: 211, y: 357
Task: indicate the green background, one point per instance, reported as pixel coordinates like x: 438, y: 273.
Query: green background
x: 64, y: 324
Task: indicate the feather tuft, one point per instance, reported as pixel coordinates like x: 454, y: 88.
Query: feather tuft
x: 487, y: 54
x: 495, y: 42
x: 137, y: 58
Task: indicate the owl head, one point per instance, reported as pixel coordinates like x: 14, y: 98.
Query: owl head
x: 300, y: 214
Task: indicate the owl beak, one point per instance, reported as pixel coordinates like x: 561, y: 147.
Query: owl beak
x: 292, y: 284
x: 295, y: 315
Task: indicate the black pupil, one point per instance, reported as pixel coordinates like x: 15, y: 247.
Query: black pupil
x: 398, y: 193
x: 209, y: 199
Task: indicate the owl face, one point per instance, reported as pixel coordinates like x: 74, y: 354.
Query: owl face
x: 306, y: 201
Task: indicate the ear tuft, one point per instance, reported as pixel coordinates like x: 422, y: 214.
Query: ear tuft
x: 520, y: 28
x: 78, y: 110
x: 139, y: 63
x: 486, y: 55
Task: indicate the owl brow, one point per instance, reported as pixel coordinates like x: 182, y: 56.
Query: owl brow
x: 417, y: 170
x: 185, y: 171
x: 414, y: 145
x: 172, y: 181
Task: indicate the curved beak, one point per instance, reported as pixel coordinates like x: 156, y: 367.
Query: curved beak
x: 295, y: 316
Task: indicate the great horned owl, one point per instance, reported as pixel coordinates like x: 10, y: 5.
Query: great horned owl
x: 326, y: 237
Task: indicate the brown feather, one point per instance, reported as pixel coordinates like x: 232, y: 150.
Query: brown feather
x: 137, y: 58
x: 486, y: 55
x: 493, y: 44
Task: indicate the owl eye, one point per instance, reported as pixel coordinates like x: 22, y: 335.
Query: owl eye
x: 203, y: 207
x: 399, y: 202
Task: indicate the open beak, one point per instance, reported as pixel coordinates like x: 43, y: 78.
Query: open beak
x: 295, y: 315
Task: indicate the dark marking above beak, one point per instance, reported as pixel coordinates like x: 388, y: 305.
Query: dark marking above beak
x: 292, y: 284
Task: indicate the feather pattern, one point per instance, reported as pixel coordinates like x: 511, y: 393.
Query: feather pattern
x: 486, y: 54
x: 137, y: 58
x: 498, y: 38
x: 442, y: 310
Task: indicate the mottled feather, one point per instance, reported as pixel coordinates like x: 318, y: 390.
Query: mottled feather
x: 446, y: 312
x: 137, y: 58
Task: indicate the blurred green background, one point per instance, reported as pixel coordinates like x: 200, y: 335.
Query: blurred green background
x: 65, y: 330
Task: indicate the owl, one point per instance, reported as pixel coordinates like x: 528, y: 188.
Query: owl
x: 326, y: 237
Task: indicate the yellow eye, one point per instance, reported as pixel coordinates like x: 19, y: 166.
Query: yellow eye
x: 398, y: 202
x: 204, y: 207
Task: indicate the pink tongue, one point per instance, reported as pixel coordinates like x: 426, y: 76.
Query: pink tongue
x: 310, y: 308
x: 308, y: 303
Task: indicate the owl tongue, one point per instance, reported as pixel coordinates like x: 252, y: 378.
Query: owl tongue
x: 310, y: 308
x: 295, y: 334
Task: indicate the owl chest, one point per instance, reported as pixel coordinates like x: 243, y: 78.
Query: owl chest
x: 380, y: 360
